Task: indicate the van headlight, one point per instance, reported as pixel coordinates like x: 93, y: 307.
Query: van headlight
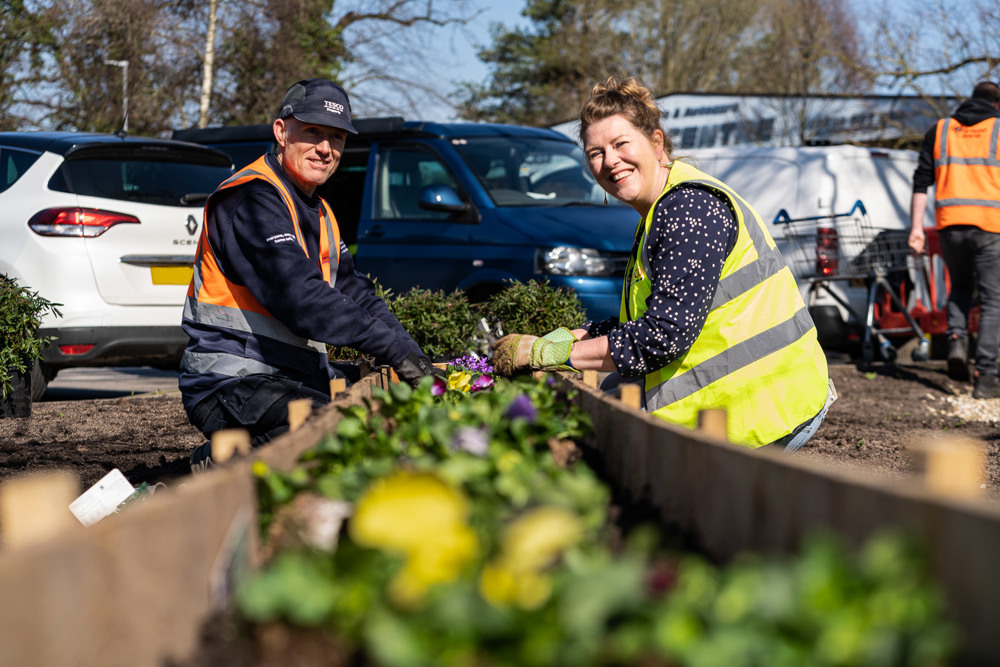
x: 569, y: 261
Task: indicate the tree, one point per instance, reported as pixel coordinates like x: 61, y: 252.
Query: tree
x: 689, y: 45
x: 543, y: 74
x: 25, y: 34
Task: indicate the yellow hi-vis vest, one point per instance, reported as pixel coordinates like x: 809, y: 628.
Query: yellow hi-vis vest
x: 757, y: 356
x: 215, y: 302
x: 967, y: 174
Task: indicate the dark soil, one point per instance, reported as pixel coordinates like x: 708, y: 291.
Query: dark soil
x: 880, y: 411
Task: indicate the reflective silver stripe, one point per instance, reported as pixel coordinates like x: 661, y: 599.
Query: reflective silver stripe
x: 989, y: 203
x: 200, y: 363
x: 729, y: 361
x: 243, y: 320
x: 741, y: 281
x: 942, y: 144
x: 974, y: 161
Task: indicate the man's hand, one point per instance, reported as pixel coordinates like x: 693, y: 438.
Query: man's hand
x: 516, y: 352
x: 415, y: 368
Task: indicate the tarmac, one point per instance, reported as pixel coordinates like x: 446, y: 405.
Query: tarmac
x: 74, y: 384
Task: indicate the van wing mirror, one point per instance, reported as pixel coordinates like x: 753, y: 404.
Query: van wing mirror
x: 442, y: 198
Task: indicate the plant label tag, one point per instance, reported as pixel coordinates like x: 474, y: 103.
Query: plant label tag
x: 102, y: 498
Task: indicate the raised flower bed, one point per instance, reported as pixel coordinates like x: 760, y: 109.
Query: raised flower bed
x: 474, y: 534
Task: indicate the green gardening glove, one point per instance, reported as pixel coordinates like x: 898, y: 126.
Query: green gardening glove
x: 517, y: 352
x: 552, y: 350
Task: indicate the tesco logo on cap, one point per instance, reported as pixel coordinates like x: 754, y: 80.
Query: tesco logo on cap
x: 333, y: 107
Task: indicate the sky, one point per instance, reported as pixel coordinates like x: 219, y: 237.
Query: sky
x: 456, y: 48
x: 458, y: 61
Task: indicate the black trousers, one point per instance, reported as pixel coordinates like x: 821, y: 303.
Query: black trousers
x: 257, y: 403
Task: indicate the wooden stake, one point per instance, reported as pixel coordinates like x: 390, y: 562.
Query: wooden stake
x: 951, y: 466
x: 631, y: 395
x: 35, y: 507
x: 590, y: 378
x: 337, y: 386
x: 229, y: 441
x: 298, y: 412
x: 713, y: 423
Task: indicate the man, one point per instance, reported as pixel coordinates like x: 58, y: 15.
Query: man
x: 273, y: 282
x: 959, y: 157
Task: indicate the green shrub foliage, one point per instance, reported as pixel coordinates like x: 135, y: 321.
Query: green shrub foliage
x: 21, y: 312
x: 533, y: 308
x: 444, y: 324
x: 441, y: 323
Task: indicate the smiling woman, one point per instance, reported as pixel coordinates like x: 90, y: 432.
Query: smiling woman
x: 710, y: 315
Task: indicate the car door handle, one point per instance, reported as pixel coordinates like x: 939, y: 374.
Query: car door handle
x: 375, y: 231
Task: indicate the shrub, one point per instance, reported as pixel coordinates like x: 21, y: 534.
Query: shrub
x: 533, y: 308
x: 21, y: 312
x: 442, y: 324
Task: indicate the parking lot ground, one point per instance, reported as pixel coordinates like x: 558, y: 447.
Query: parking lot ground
x: 89, y: 383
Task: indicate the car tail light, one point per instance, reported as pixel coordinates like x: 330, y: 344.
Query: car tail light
x: 75, y: 349
x: 827, y: 246
x: 88, y: 222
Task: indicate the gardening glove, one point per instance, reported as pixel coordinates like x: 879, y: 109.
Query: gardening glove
x: 415, y: 368
x: 516, y: 352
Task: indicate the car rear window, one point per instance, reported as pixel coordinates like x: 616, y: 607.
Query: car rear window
x: 151, y: 175
x: 13, y: 164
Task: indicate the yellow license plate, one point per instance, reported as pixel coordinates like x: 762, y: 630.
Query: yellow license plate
x: 171, y: 275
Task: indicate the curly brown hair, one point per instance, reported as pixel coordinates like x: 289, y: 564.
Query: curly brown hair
x: 628, y: 98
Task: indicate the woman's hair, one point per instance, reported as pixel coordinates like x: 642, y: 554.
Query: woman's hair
x: 628, y: 98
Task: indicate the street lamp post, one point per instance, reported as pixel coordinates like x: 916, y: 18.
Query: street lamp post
x: 124, y: 65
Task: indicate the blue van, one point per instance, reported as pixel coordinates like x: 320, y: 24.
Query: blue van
x: 468, y: 206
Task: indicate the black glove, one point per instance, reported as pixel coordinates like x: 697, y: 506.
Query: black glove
x: 416, y: 367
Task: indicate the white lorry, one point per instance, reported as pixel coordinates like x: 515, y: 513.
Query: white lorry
x: 812, y: 182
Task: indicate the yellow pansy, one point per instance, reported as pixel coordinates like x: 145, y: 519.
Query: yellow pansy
x: 529, y: 544
x: 539, y: 536
x: 459, y: 381
x: 421, y: 516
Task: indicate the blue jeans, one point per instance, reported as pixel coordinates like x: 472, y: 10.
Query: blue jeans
x: 973, y: 259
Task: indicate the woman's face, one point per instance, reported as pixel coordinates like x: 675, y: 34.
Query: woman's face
x: 625, y: 162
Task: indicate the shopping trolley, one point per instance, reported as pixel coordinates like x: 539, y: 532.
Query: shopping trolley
x: 847, y: 247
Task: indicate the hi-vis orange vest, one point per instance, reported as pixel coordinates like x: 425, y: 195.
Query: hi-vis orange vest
x: 967, y: 174
x: 216, y: 303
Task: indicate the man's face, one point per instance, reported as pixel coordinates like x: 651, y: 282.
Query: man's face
x: 309, y: 153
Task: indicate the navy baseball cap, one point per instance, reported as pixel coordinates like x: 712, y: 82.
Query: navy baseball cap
x: 320, y: 102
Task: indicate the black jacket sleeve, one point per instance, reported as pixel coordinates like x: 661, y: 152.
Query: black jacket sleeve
x: 923, y: 175
x: 253, y: 237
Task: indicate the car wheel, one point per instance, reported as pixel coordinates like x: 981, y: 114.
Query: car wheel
x: 40, y: 376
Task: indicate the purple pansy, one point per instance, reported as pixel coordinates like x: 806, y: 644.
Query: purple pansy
x: 522, y: 407
x: 482, y: 382
x: 439, y: 387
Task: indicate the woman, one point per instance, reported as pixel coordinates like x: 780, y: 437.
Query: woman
x: 711, y: 316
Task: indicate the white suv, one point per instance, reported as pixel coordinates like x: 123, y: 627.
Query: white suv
x: 107, y: 227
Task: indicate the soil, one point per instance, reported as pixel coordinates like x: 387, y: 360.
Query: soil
x: 881, y: 410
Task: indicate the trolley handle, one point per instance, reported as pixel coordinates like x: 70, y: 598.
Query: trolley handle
x: 783, y: 218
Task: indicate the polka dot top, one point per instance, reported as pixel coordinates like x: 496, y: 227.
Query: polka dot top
x: 691, y: 235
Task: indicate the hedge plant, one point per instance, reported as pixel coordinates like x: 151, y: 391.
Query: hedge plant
x: 441, y: 323
x: 445, y: 324
x: 21, y: 312
x: 533, y: 308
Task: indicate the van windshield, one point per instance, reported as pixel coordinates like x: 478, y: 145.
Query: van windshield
x: 531, y: 171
